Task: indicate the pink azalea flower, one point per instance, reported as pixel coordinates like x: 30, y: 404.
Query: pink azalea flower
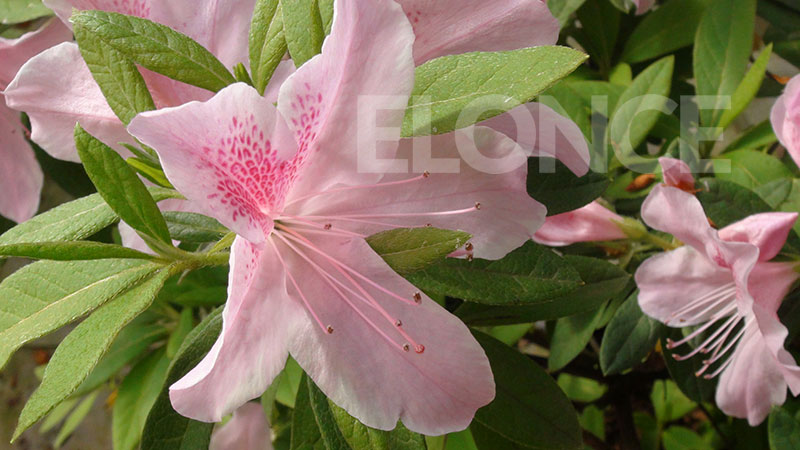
x: 677, y: 174
x: 303, y: 279
x: 247, y: 430
x: 785, y: 118
x: 20, y: 176
x: 593, y: 222
x: 725, y: 279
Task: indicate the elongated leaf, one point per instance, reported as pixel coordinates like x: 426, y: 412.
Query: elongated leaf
x: 120, y: 187
x: 670, y: 27
x: 408, y: 250
x: 71, y: 251
x: 683, y: 372
x: 639, y: 108
x: 165, y: 429
x: 303, y: 29
x: 118, y: 77
x: 135, y: 397
x: 747, y: 89
x: 482, y: 85
x: 527, y: 401
x: 750, y: 168
x: 80, y: 351
x: 74, y: 419
x: 192, y: 227
x: 72, y: 221
x: 44, y: 296
x: 562, y: 191
x: 570, y: 337
x: 722, y: 47
x: 629, y: 337
x: 598, y: 32
x: 16, y: 11
x: 156, y: 47
x: 267, y: 42
x: 530, y: 274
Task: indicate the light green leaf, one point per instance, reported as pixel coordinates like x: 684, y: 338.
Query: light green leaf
x: 57, y: 415
x: 670, y: 27
x: 120, y: 187
x: 267, y: 42
x: 563, y: 9
x: 483, y: 85
x: 669, y: 403
x: 722, y: 49
x: 193, y: 227
x: 326, y: 13
x: 629, y: 337
x: 156, y: 47
x: 17, y: 11
x: 118, y: 77
x: 135, y: 396
x: 75, y: 418
x: 303, y: 28
x: 46, y: 295
x: 408, y: 250
x: 761, y: 135
x: 71, y: 251
x: 750, y: 168
x: 747, y: 89
x: 80, y: 351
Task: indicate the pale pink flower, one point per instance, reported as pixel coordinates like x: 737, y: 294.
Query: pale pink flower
x: 593, y: 222
x: 247, y: 430
x: 785, y: 118
x: 723, y: 283
x: 20, y: 176
x: 303, y: 279
x: 677, y: 174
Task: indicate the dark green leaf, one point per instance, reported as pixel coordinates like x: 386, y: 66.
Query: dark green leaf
x: 599, y: 30
x: 563, y: 9
x: 560, y: 190
x: 683, y: 372
x: 670, y: 27
x: 135, y: 398
x: 192, y: 227
x: 629, y: 337
x: 784, y: 427
x: 302, y: 26
x: 267, y: 42
x: 17, y: 11
x: 408, y: 250
x: 570, y: 336
x: 750, y: 168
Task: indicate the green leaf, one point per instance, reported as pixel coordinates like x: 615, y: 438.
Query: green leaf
x: 156, y: 47
x: 599, y: 31
x: 570, y: 336
x: 527, y: 401
x: 306, y: 432
x: 192, y: 227
x: 267, y: 42
x: 302, y: 26
x: 530, y: 274
x: 669, y: 403
x: 483, y: 85
x: 135, y: 397
x: 639, y: 108
x: 165, y: 429
x: 149, y: 170
x: 750, y: 168
x: 71, y: 251
x: 118, y: 77
x: 758, y: 136
x: 120, y: 187
x: 17, y: 11
x: 563, y: 9
x: 561, y: 190
x: 784, y: 427
x: 601, y: 282
x: 326, y: 13
x: 46, y: 295
x: 670, y: 27
x: 680, y: 438
x: 80, y: 351
x: 722, y: 49
x: 74, y: 419
x: 182, y: 329
x: 73, y: 220
x: 683, y: 372
x: 408, y: 250
x: 57, y: 415
x: 747, y: 89
x: 629, y: 338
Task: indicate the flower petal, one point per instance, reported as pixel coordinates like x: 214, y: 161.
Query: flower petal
x: 362, y: 367
x: 336, y: 101
x: 593, y: 222
x: 21, y: 178
x: 677, y: 174
x: 57, y: 91
x: 247, y: 430
x: 231, y: 155
x: 543, y: 132
x: 767, y: 231
x: 14, y: 52
x: 785, y: 118
x: 460, y: 26
x: 252, y: 348
x: 670, y: 282
x: 642, y: 6
x: 507, y: 217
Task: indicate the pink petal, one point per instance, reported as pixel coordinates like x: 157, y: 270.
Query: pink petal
x: 284, y: 70
x: 543, y: 132
x: 247, y: 430
x: 767, y: 231
x: 668, y: 282
x: 57, y: 91
x: 593, y: 222
x: 252, y: 348
x: 678, y: 213
x: 677, y: 174
x: 507, y: 217
x: 336, y: 101
x: 20, y: 176
x: 785, y: 118
x: 451, y: 27
x: 362, y: 366
x: 232, y: 155
x: 14, y: 52
x: 642, y: 6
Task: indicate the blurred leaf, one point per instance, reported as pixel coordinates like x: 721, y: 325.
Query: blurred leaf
x: 599, y: 30
x: 267, y: 42
x: 560, y: 190
x: 784, y: 427
x: 680, y: 438
x: 758, y: 136
x: 487, y: 83
x: 17, y: 11
x: 593, y: 421
x: 527, y: 401
x: 750, y: 168
x: 156, y: 47
x: 302, y: 26
x: 193, y: 227
x: 722, y: 49
x: 182, y: 329
x: 135, y: 397
x: 408, y: 250
x: 747, y: 89
x: 669, y: 403
x: 629, y: 338
x: 670, y: 27
x: 74, y: 419
x: 581, y: 390
x: 570, y: 336
x: 57, y: 415
x: 563, y: 9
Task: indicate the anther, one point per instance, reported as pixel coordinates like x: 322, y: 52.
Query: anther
x: 478, y: 205
x: 406, y: 347
x: 417, y: 297
x: 426, y: 174
x: 329, y: 329
x: 328, y: 226
x: 469, y: 247
x: 428, y: 225
x: 470, y: 258
x: 419, y: 348
x: 398, y: 323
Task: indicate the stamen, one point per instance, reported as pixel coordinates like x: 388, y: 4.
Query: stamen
x: 417, y: 298
x: 719, y: 369
x: 329, y: 329
x: 468, y: 247
x: 302, y: 296
x: 712, y: 321
x: 399, y: 323
x: 406, y: 347
x: 712, y: 299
